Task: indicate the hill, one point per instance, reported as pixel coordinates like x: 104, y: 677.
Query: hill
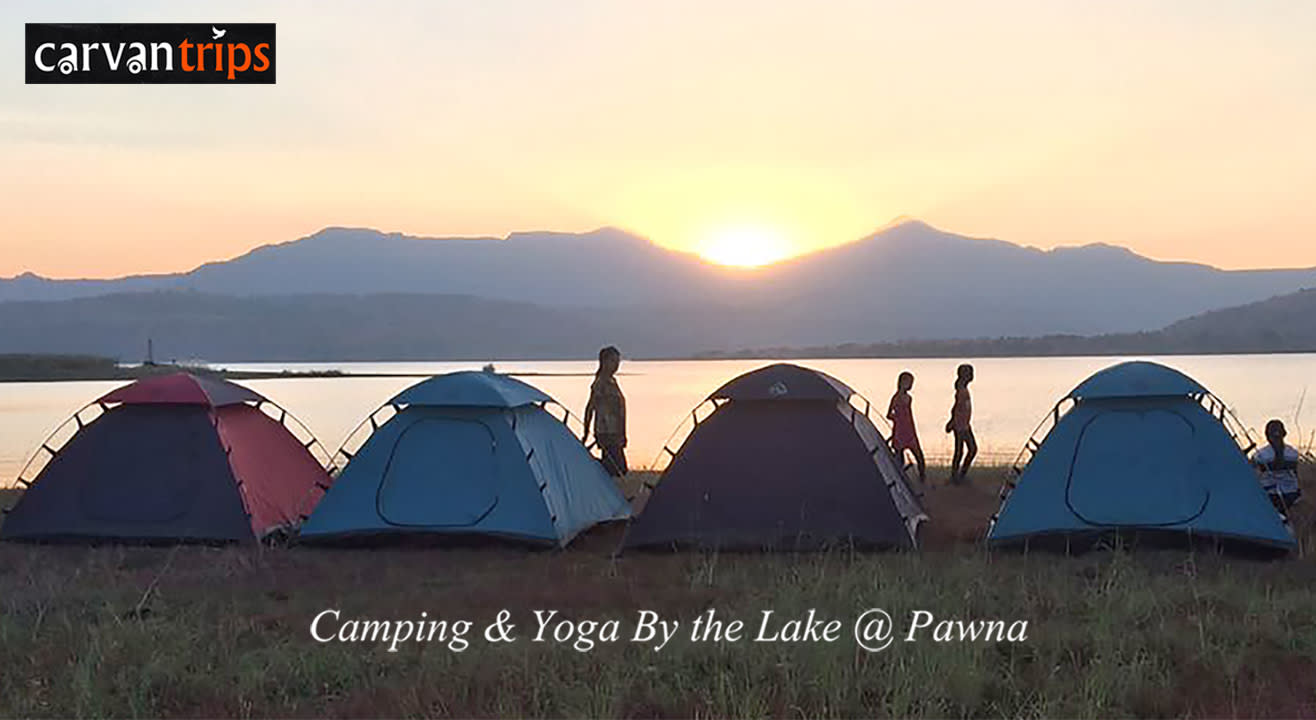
x: 907, y: 281
x: 1286, y: 323
x: 194, y: 326
x: 190, y: 326
x: 593, y: 269
x: 912, y: 281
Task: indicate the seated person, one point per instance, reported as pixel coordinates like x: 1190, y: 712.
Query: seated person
x: 1278, y: 464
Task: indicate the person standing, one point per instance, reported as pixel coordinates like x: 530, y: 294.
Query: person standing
x: 904, y: 436
x: 960, y: 423
x: 607, y: 410
x: 1278, y: 464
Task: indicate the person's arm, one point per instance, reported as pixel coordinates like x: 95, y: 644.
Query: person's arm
x: 1258, y: 461
x: 891, y: 409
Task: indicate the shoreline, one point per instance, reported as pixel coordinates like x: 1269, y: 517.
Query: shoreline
x: 62, y: 368
x: 79, y: 368
x: 254, y: 375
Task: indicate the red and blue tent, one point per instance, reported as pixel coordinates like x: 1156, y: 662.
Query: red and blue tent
x: 170, y: 458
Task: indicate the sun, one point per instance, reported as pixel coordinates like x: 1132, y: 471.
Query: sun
x: 745, y: 247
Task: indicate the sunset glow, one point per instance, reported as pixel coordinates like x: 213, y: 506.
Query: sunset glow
x: 746, y: 247
x: 777, y: 129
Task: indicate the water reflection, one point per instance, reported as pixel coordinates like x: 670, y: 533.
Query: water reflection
x: 1010, y: 395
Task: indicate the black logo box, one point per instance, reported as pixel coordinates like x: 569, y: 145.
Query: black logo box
x: 123, y: 35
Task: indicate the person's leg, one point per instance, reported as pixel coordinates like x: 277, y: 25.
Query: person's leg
x: 1289, y: 500
x: 1278, y: 501
x: 609, y: 460
x: 971, y: 452
x: 619, y: 460
x: 614, y: 459
x: 922, y: 465
x: 955, y: 459
x: 898, y: 450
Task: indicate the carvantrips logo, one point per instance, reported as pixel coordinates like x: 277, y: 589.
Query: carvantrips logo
x: 150, y: 53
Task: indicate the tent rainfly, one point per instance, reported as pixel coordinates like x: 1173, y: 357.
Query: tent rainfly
x: 1137, y: 449
x: 171, y: 458
x: 467, y: 453
x: 783, y: 460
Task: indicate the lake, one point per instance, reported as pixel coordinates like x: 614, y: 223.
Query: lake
x: 1010, y: 395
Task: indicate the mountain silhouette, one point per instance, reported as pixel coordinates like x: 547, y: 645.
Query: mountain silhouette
x: 906, y: 281
x: 563, y: 269
x: 913, y: 281
x: 1282, y: 324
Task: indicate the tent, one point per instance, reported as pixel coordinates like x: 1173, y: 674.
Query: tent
x: 1137, y: 449
x: 170, y: 458
x: 468, y: 453
x: 783, y: 459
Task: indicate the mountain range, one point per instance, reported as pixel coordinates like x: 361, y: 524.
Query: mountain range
x: 1282, y: 324
x: 361, y: 294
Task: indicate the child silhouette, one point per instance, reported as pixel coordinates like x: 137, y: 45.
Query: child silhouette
x: 904, y: 436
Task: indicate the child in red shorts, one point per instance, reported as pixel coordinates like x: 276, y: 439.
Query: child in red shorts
x: 903, y: 434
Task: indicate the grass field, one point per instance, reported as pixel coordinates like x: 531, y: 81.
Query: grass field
x: 225, y: 631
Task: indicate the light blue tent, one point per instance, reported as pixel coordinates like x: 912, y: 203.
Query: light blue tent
x: 467, y: 453
x: 1142, y: 448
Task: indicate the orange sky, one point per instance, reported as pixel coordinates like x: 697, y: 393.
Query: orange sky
x: 737, y: 128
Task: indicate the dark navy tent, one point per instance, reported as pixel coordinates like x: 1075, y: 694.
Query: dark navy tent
x: 170, y: 458
x: 468, y: 453
x: 783, y: 460
x: 1141, y: 448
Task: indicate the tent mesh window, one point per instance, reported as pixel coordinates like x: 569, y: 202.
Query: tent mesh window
x: 308, y: 440
x: 351, y: 445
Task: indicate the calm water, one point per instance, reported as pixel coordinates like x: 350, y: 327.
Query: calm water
x: 1010, y: 395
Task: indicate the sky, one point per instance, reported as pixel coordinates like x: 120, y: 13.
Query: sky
x: 745, y: 130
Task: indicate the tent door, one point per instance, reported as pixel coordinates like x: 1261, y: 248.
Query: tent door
x: 1118, y: 450
x: 441, y: 474
x: 146, y: 474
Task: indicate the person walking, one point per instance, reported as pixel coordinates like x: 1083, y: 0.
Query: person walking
x: 904, y: 436
x: 606, y: 409
x: 960, y: 423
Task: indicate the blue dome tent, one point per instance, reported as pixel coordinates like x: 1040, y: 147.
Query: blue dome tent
x: 1141, y: 448
x: 468, y: 453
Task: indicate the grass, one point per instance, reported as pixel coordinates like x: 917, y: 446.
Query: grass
x: 193, y: 631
